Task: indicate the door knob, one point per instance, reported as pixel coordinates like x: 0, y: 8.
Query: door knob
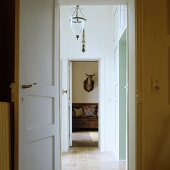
x: 27, y: 86
x: 64, y: 91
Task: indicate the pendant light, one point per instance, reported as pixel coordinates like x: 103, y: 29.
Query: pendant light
x: 77, y: 21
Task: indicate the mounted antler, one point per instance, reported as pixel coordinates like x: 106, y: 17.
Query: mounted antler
x: 89, y: 75
x: 89, y: 83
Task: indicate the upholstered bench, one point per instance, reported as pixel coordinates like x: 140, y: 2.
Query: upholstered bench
x: 85, y: 116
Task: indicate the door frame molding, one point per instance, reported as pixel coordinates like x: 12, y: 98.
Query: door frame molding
x: 16, y: 86
x: 100, y: 62
x: 70, y: 90
x: 139, y: 64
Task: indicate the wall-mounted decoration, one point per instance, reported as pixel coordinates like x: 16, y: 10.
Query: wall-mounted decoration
x: 89, y: 83
x: 83, y: 42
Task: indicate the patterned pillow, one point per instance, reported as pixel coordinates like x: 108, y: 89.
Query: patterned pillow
x: 89, y: 110
x: 78, y: 112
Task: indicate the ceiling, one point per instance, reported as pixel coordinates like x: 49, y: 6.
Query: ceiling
x: 92, y: 2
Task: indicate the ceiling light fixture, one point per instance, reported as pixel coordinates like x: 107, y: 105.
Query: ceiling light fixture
x: 77, y: 21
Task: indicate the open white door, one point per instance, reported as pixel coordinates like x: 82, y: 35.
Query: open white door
x: 39, y: 128
x: 70, y: 101
x: 64, y: 104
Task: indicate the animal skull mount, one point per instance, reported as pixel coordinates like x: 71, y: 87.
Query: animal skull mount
x: 89, y: 83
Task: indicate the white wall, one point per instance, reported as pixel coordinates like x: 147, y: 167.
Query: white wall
x: 119, y: 27
x: 79, y: 95
x: 99, y: 41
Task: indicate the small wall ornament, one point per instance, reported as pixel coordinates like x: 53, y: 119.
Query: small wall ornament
x: 83, y: 41
x: 89, y: 83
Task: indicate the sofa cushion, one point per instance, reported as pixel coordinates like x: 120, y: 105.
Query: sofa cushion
x: 89, y: 110
x: 78, y: 112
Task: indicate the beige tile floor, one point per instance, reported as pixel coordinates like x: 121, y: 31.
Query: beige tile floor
x: 85, y: 139
x: 90, y: 158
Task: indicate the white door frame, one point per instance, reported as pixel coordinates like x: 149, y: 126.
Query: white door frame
x: 132, y: 68
x: 70, y: 80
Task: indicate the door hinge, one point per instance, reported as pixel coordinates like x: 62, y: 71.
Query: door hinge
x: 12, y: 87
x: 139, y: 96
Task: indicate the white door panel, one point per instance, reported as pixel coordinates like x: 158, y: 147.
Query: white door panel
x: 40, y: 149
x: 41, y: 116
x: 39, y: 138
x: 37, y: 42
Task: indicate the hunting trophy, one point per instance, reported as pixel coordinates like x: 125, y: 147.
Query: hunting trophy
x: 89, y: 83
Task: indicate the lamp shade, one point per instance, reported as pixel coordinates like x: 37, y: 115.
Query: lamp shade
x: 77, y: 22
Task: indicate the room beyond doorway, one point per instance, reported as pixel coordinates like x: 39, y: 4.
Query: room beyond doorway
x: 85, y: 103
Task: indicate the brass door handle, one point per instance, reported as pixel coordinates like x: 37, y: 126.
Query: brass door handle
x: 27, y: 86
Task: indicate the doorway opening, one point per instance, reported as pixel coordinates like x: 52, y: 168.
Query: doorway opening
x: 38, y: 82
x: 81, y: 105
x: 111, y: 41
x: 84, y: 101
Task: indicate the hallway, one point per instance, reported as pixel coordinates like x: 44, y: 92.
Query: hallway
x: 90, y: 158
